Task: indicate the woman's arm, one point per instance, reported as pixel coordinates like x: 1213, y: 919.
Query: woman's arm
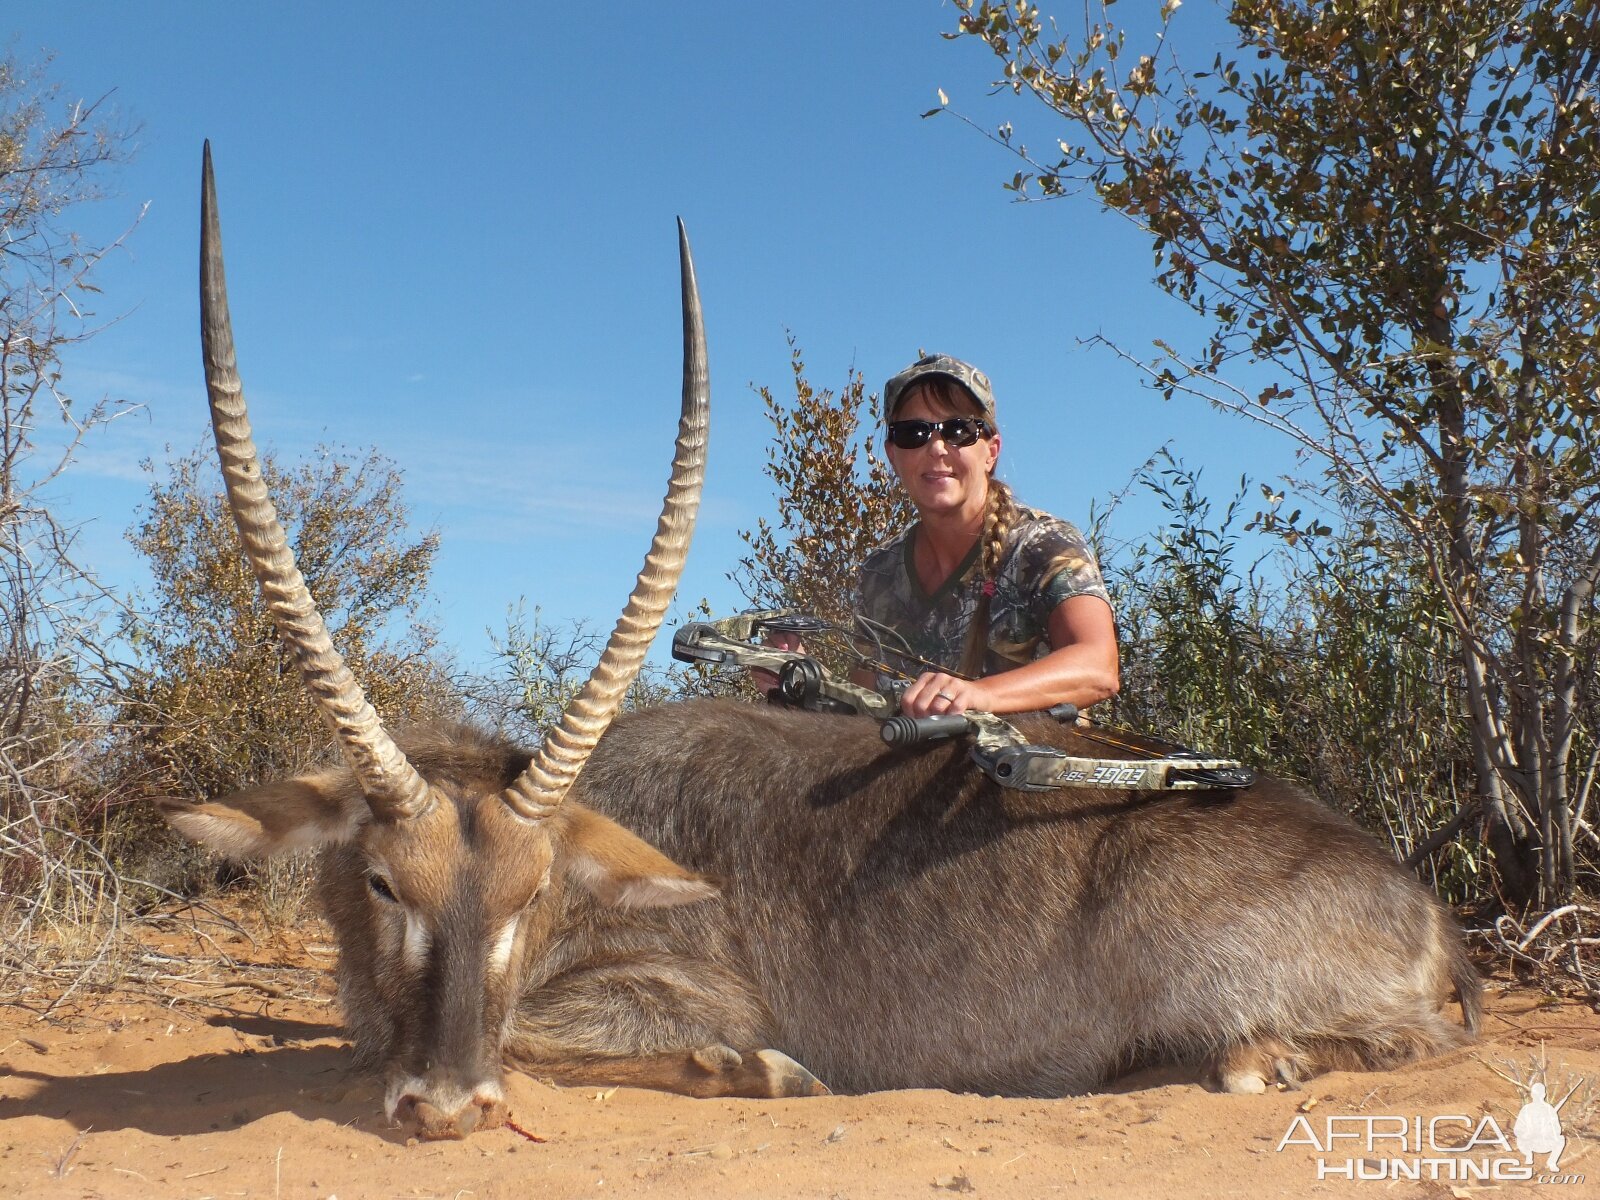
x: 1081, y: 669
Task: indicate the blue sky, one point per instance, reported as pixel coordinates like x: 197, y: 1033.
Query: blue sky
x: 449, y: 233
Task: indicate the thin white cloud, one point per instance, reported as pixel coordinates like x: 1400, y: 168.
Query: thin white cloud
x: 495, y: 487
x: 89, y: 382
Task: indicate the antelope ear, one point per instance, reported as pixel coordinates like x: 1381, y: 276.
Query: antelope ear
x: 311, y: 810
x: 620, y: 868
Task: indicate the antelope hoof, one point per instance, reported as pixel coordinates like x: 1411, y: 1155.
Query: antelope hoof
x: 1288, y: 1076
x: 1252, y: 1067
x: 789, y: 1078
x: 716, y: 1059
x: 1244, y: 1083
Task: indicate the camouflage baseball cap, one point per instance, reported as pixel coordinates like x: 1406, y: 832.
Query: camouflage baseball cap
x: 967, y: 375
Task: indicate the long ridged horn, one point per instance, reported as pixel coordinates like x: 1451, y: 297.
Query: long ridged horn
x: 540, y: 789
x: 392, y: 786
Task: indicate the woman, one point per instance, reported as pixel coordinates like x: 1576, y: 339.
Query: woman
x: 987, y: 588
x: 1006, y: 599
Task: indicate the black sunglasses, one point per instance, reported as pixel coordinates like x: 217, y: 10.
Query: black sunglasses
x: 956, y: 431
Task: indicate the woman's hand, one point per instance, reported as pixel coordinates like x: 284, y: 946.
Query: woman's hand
x: 1081, y: 669
x: 779, y: 639
x: 934, y: 694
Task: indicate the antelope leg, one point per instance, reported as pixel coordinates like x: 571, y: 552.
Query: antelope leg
x: 706, y: 1072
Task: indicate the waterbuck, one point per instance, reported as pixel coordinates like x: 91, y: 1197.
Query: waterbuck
x: 711, y: 893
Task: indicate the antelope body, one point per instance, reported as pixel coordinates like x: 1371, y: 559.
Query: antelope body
x: 715, y: 893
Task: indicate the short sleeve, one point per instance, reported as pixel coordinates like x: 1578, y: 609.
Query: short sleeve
x: 874, y: 585
x: 873, y: 603
x: 1059, y: 565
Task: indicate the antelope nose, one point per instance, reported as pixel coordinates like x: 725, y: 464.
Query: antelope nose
x: 430, y: 1122
x: 434, y: 1124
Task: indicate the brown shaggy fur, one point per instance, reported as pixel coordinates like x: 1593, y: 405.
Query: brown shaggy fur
x: 888, y: 918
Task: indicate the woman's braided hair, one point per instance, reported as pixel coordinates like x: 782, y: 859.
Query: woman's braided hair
x: 1000, y: 513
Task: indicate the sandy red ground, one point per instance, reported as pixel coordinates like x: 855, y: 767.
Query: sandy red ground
x: 232, y: 1083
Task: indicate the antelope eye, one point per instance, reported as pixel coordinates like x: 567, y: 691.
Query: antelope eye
x: 380, y: 888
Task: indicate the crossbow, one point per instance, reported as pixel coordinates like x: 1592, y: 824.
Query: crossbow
x: 998, y: 747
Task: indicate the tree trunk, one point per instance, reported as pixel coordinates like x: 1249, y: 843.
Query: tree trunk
x: 1514, y: 853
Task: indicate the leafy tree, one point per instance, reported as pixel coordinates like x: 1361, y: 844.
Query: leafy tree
x: 54, y: 155
x: 837, y: 499
x: 1388, y: 209
x: 543, y: 665
x: 217, y: 703
x: 1200, y: 641
x: 1328, y: 662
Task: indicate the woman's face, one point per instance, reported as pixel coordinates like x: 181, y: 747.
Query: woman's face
x: 940, y: 478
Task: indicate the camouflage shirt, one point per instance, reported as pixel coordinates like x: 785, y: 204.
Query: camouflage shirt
x: 1046, y: 560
